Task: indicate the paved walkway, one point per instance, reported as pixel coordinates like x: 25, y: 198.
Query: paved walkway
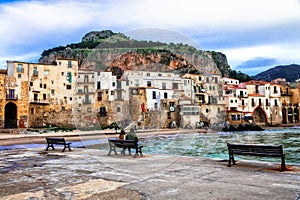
x: 90, y: 174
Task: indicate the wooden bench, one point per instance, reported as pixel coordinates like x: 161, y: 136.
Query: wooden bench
x: 58, y: 141
x: 256, y: 150
x: 125, y: 144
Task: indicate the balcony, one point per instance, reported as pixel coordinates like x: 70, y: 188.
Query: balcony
x: 11, y: 97
x: 38, y: 101
x: 85, y: 101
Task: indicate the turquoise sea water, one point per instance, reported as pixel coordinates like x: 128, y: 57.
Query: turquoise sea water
x: 211, y: 145
x: 214, y: 145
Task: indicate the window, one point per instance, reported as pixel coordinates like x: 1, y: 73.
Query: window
x: 20, y: 68
x: 19, y: 75
x: 44, y: 96
x: 148, y: 74
x: 275, y: 102
x: 159, y: 74
x: 219, y: 110
x: 41, y: 85
x: 275, y: 90
x: 153, y: 94
x: 102, y: 112
x: 175, y: 86
x: 35, y: 97
x: 31, y: 110
x: 69, y: 77
x: 118, y: 109
x: 172, y: 104
x: 98, y: 85
x: 185, y: 82
x: 11, y: 94
x: 69, y: 87
x: 45, y: 86
x: 113, y: 84
x: 69, y: 64
x: 35, y: 72
x: 63, y: 109
x: 233, y: 118
x: 163, y: 85
x: 165, y: 95
x: 86, y: 78
x: 252, y: 102
x: 85, y: 88
x: 216, y: 80
x: 99, y: 96
x: 169, y: 115
x: 112, y: 93
x: 31, y: 83
x: 52, y: 92
x: 267, y: 102
x: 148, y: 83
x: 46, y: 72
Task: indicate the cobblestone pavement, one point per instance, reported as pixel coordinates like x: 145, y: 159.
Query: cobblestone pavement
x: 90, y: 174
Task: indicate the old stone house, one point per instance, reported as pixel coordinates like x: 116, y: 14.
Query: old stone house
x: 39, y: 94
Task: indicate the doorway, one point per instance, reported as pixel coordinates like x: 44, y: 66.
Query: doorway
x: 10, y: 120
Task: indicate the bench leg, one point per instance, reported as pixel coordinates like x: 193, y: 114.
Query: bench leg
x: 231, y: 158
x: 283, y: 167
x: 50, y: 145
x: 138, y: 150
x: 112, y: 148
x: 66, y: 146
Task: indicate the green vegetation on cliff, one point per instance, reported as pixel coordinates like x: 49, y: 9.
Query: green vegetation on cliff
x: 117, y: 43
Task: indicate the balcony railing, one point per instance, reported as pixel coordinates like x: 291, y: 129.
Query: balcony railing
x: 39, y: 101
x: 84, y: 101
x: 11, y: 96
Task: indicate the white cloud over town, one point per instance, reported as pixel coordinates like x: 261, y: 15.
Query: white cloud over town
x: 243, y: 30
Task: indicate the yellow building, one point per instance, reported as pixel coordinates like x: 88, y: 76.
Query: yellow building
x: 39, y: 94
x: 2, y: 96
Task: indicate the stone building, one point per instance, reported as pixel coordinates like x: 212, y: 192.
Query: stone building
x: 40, y: 94
x: 3, y: 78
x: 84, y: 112
x: 289, y: 100
x: 208, y: 95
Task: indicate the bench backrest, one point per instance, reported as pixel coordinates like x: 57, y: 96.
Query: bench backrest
x: 56, y: 140
x: 270, y: 150
x: 123, y: 143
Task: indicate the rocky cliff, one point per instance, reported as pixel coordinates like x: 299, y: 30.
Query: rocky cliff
x: 102, y: 50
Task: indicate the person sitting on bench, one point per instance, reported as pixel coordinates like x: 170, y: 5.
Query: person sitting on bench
x: 122, y: 135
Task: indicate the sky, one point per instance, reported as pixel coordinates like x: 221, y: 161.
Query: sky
x: 255, y: 35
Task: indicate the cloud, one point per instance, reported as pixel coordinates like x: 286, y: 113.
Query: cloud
x: 256, y: 65
x: 237, y: 27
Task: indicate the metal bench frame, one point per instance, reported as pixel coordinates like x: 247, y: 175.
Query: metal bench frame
x: 125, y: 144
x: 256, y: 150
x: 58, y: 141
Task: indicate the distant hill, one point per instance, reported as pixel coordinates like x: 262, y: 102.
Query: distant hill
x: 289, y: 72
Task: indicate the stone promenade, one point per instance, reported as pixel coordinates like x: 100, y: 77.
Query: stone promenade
x: 87, y: 173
